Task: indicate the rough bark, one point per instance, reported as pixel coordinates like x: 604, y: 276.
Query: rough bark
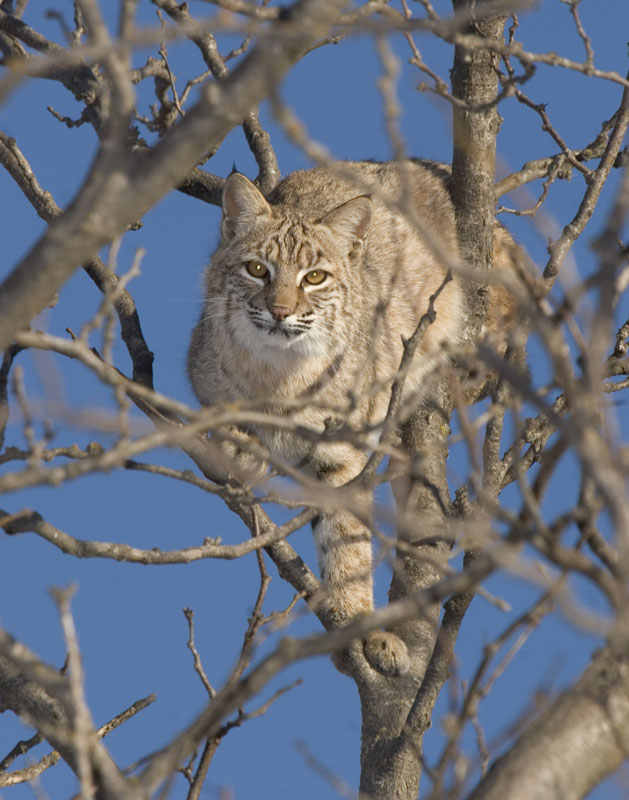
x: 390, y: 760
x: 580, y: 739
x: 475, y: 126
x: 42, y: 697
x: 393, y: 724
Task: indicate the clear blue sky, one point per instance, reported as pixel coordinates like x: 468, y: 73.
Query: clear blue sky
x: 129, y: 617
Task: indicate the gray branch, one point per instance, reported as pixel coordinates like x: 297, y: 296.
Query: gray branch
x: 581, y: 738
x: 122, y: 187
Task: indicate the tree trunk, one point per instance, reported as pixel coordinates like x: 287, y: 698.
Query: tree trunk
x: 391, y: 740
x: 475, y: 127
x: 390, y: 762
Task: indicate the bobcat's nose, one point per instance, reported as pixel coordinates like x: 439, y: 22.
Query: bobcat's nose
x: 280, y: 312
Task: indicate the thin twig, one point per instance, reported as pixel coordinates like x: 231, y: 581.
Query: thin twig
x: 198, y: 664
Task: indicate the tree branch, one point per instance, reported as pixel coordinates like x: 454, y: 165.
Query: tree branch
x: 579, y: 739
x: 119, y: 190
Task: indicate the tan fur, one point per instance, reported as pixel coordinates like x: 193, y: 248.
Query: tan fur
x: 277, y: 339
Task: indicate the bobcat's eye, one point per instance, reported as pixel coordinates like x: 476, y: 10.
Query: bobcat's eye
x: 256, y: 270
x: 315, y: 276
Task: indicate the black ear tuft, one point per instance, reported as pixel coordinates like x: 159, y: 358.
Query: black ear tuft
x: 234, y: 168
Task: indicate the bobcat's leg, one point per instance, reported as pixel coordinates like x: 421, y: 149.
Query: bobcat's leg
x: 345, y: 561
x: 344, y: 553
x: 234, y: 457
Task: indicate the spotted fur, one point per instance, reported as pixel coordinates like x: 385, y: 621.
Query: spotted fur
x: 336, y: 345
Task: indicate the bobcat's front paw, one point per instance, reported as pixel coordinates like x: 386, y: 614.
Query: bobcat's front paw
x: 386, y: 653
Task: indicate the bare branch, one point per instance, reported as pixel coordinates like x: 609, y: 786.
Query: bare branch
x: 198, y: 664
x: 257, y: 138
x: 34, y: 770
x: 573, y: 230
x: 591, y: 714
x: 27, y: 521
x: 119, y: 190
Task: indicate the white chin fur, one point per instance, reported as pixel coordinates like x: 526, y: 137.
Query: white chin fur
x: 266, y: 343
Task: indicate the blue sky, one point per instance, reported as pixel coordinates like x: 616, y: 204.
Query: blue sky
x: 129, y: 617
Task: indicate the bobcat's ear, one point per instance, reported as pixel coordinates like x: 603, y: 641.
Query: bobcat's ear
x: 352, y: 220
x: 243, y: 203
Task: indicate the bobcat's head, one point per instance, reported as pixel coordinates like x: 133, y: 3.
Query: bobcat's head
x: 284, y: 277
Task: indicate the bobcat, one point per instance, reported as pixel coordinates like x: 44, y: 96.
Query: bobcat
x: 307, y: 298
